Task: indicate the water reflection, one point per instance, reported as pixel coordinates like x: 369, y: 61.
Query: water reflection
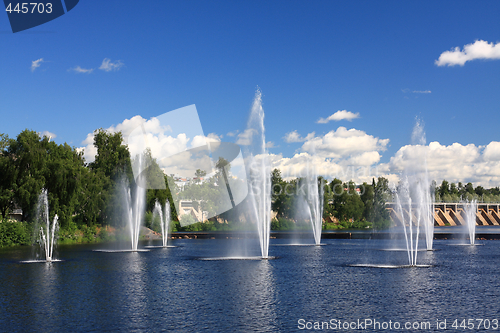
x: 256, y: 301
x: 166, y: 289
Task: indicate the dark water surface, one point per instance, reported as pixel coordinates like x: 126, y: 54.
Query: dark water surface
x: 172, y: 290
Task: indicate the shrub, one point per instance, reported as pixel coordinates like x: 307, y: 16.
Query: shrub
x: 382, y: 224
x: 104, y: 235
x: 14, y: 233
x: 89, y: 233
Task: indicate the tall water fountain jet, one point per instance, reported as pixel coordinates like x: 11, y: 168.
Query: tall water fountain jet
x: 259, y: 174
x: 404, y: 209
x: 135, y: 205
x: 47, y: 234
x: 414, y: 198
x: 470, y: 219
x: 313, y: 196
x: 164, y: 216
x: 421, y: 187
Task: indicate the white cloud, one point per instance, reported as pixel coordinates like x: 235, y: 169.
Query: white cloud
x: 270, y: 144
x: 492, y: 152
x: 35, y: 64
x: 480, y: 49
x: 78, y: 69
x: 406, y: 90
x: 109, y: 66
x: 245, y: 138
x: 298, y: 165
x: 455, y: 163
x: 156, y: 137
x: 294, y: 136
x: 345, y: 154
x: 214, y: 137
x: 48, y: 134
x: 339, y: 115
x: 233, y: 133
x: 174, y: 154
x: 343, y: 143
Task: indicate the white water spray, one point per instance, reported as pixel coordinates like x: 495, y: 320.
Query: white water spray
x: 164, y: 215
x: 414, y: 198
x: 47, y: 236
x: 470, y: 219
x: 404, y: 210
x: 136, y: 205
x: 314, y: 201
x: 259, y: 174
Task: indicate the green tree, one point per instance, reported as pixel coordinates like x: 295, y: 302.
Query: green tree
x: 283, y: 194
x: 380, y: 218
x: 200, y: 174
x: 469, y: 188
x: 479, y: 190
x: 28, y: 156
x: 91, y: 197
x: 63, y: 177
x: 350, y: 204
x: 453, y: 189
x: 112, y: 165
x: 368, y: 196
x: 444, y: 189
x: 337, y: 191
x: 7, y: 176
x: 113, y: 157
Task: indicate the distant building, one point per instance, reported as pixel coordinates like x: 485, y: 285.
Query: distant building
x: 16, y: 214
x: 186, y: 207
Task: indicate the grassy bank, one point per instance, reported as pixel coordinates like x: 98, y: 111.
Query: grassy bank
x: 14, y: 233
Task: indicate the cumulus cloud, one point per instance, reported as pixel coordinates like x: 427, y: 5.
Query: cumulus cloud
x: 78, y: 69
x: 35, y: 64
x: 233, y: 133
x: 175, y: 153
x: 48, y: 134
x: 342, y: 143
x: 455, y: 163
x: 214, y: 137
x: 294, y: 136
x: 339, y: 115
x: 245, y: 137
x: 297, y: 166
x: 492, y: 152
x: 270, y: 144
x: 157, y: 138
x: 480, y: 49
x: 108, y: 66
x: 344, y: 154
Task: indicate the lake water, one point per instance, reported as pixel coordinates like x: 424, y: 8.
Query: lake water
x: 173, y: 290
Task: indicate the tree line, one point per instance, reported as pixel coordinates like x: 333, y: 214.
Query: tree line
x: 451, y: 192
x: 343, y: 202
x: 87, y: 194
x: 80, y: 193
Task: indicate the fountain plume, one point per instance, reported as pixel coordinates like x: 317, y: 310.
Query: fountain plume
x: 313, y: 197
x: 470, y: 219
x: 259, y: 174
x: 164, y: 216
x: 47, y: 233
x: 135, y: 205
x: 414, y: 199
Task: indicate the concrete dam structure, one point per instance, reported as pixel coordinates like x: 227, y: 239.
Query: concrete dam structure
x: 451, y: 214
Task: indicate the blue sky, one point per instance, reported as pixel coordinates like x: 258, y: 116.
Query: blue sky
x: 309, y: 58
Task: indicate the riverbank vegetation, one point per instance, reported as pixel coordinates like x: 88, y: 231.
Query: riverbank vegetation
x: 89, y: 204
